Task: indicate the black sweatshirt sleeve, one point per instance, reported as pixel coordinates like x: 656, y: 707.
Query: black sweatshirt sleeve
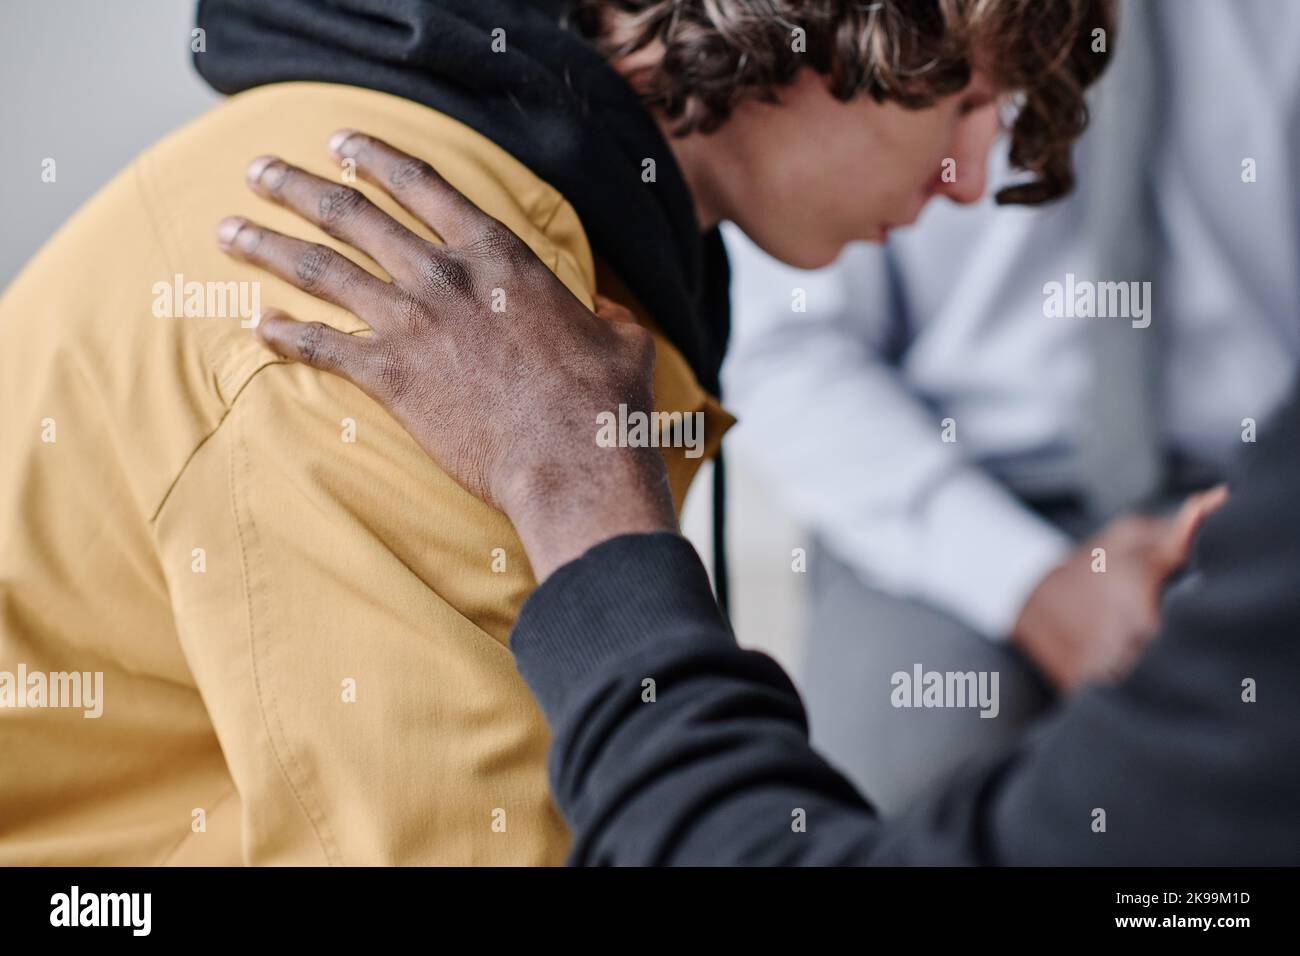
x: 674, y: 745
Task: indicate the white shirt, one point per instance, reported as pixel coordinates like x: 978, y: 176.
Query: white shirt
x: 849, y: 437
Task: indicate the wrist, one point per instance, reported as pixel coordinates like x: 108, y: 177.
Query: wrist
x: 562, y: 511
x: 1039, y: 611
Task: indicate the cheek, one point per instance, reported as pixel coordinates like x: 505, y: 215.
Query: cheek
x: 814, y: 179
x: 920, y: 144
x: 883, y: 165
x: 835, y: 174
x: 857, y: 174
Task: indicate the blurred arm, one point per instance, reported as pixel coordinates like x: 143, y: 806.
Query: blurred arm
x: 858, y: 459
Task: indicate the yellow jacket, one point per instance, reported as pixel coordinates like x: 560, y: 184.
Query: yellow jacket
x: 300, y: 621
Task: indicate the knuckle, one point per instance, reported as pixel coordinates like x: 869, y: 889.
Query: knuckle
x: 311, y: 344
x: 313, y: 268
x: 495, y: 241
x: 339, y: 203
x: 443, y: 275
x: 409, y: 312
x: 409, y: 171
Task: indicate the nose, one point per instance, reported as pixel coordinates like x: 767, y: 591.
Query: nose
x: 972, y: 141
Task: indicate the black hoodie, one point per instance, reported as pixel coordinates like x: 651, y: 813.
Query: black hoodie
x: 549, y: 100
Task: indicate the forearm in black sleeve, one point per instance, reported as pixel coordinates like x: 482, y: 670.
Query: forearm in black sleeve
x: 671, y: 743
x: 1190, y: 760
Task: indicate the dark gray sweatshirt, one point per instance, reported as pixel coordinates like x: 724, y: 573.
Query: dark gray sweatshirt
x: 1193, y: 759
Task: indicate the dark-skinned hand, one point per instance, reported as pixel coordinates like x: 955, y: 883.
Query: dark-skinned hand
x: 505, y: 401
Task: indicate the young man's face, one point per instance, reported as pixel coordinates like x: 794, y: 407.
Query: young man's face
x: 807, y: 176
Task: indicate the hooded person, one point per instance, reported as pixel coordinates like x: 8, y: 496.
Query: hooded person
x: 294, y: 670
x: 224, y: 536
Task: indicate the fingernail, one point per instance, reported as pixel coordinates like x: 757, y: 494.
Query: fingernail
x: 339, y: 140
x: 227, y: 229
x: 257, y: 167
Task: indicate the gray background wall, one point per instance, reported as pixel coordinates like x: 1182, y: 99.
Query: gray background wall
x: 90, y: 83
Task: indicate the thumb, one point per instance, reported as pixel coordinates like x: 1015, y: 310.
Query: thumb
x: 1182, y: 529
x: 611, y: 311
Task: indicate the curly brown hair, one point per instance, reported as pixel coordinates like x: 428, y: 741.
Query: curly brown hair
x: 717, y: 52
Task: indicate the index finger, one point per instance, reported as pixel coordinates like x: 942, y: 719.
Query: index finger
x: 416, y: 185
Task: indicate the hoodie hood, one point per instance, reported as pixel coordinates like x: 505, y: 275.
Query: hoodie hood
x: 549, y: 100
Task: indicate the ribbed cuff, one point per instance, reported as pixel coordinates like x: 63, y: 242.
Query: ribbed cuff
x: 624, y: 593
